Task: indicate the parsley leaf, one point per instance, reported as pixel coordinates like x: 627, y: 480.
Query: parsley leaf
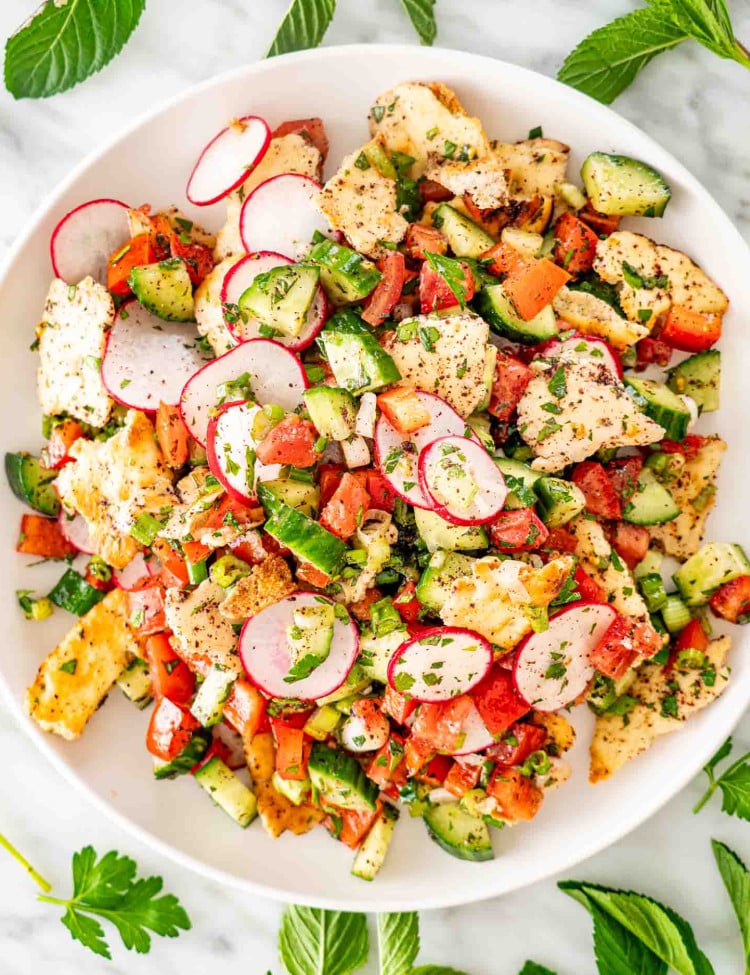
x: 635, y: 279
x: 734, y: 783
x: 422, y: 15
x: 317, y: 942
x: 398, y: 942
x: 63, y: 44
x: 304, y: 25
x: 452, y: 271
x: 736, y: 879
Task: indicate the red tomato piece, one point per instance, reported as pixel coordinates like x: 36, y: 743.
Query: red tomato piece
x: 387, y: 292
x: 421, y: 238
x: 590, y: 591
x: 139, y: 250
x: 461, y: 778
x: 169, y: 730
x: 404, y: 409
x: 435, y: 293
x: 505, y: 261
x: 146, y: 608
x: 692, y: 637
x: 172, y: 435
x: 397, y: 706
x: 690, y: 331
x: 516, y: 795
x: 245, y: 709
x: 600, y: 494
x: 652, y: 351
x: 380, y: 491
x: 519, y: 742
x: 436, y: 770
x: 521, y: 530
x: 732, y: 600
x: 388, y: 764
x: 561, y: 540
x: 199, y: 259
x: 575, y: 244
x: 603, y: 223
x: 533, y: 288
x: 406, y: 603
x: 624, y: 473
x: 498, y: 702
x: 440, y: 724
x: 291, y: 751
x: 362, y: 607
x: 615, y: 654
x: 43, y: 537
x: 343, y: 514
x: 312, y: 576
x: 417, y: 753
x: 432, y: 192
x: 354, y: 824
x: 630, y: 542
x: 689, y: 447
x: 290, y: 442
x: 170, y: 676
x: 62, y: 438
x: 329, y: 477
x: 313, y: 130
x: 511, y: 379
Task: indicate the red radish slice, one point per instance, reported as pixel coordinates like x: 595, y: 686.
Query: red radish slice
x: 552, y: 668
x: 86, y: 238
x: 264, y: 651
x: 137, y: 569
x: 147, y: 360
x: 582, y: 347
x: 281, y: 215
x: 227, y: 160
x: 396, y: 454
x: 476, y: 735
x: 275, y: 375
x: 230, y: 743
x: 439, y: 664
x: 76, y: 530
x: 462, y: 480
x: 230, y: 438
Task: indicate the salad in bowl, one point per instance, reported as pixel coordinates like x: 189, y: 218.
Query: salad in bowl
x: 361, y: 495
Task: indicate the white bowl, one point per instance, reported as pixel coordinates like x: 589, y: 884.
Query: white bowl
x: 151, y: 162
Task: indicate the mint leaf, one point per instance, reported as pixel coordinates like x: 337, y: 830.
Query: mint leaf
x: 531, y: 968
x: 64, y: 43
x: 317, y: 942
x: 435, y: 970
x: 304, y: 25
x: 608, y: 60
x: 422, y: 15
x: 706, y: 21
x: 398, y: 942
x: 736, y: 879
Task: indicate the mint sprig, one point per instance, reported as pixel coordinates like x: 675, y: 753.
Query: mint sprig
x: 304, y: 25
x: 422, y: 15
x: 736, y: 879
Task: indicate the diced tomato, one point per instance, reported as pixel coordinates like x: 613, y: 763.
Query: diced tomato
x: 517, y: 744
x: 380, y: 491
x: 343, y: 514
x: 516, y: 795
x: 575, y: 247
x: 291, y: 751
x: 312, y: 576
x: 590, y: 590
x: 43, y: 537
x: 174, y: 571
x: 170, y: 676
x: 195, y: 552
x: 313, y: 130
x: 435, y: 293
x: 462, y: 777
x: 404, y: 409
x: 602, y: 223
x: 62, y: 438
x: 498, y: 702
x: 436, y: 770
x: 732, y: 600
x: 622, y: 644
x: 688, y: 447
x: 139, y: 250
x: 652, y: 352
x: 534, y: 288
x: 417, y: 753
x: 432, y: 192
x: 397, y: 706
x: 388, y: 764
x: 172, y: 435
x: 505, y: 261
x: 199, y: 259
x: 630, y: 542
x: 290, y: 442
x: 693, y: 636
x: 440, y: 724
x: 624, y: 473
x: 597, y: 487
x: 421, y: 238
x: 355, y: 825
x: 406, y: 603
x: 387, y: 292
x: 690, y: 331
x: 169, y: 730
x: 561, y: 540
x: 329, y: 477
x: 362, y: 607
x: 103, y: 585
x: 229, y: 511
x: 245, y: 709
x: 146, y: 608
x: 511, y: 379
x: 520, y: 530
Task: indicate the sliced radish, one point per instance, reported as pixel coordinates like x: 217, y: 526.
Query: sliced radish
x: 462, y: 480
x: 552, y: 668
x: 147, y: 360
x: 582, y: 347
x: 476, y: 734
x: 75, y: 528
x: 137, y: 569
x: 439, y: 664
x: 227, y: 160
x: 275, y: 377
x: 265, y: 655
x: 231, y: 745
x: 239, y: 278
x: 86, y: 238
x: 396, y: 454
x: 230, y: 447
x: 281, y: 215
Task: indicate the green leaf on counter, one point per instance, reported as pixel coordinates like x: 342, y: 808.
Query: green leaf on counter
x: 304, y: 25
x: 422, y: 15
x: 317, y: 942
x: 736, y: 879
x: 734, y: 783
x: 398, y: 942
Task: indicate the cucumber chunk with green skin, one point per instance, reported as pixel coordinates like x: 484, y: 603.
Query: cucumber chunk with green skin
x: 375, y: 652
x: 465, y: 237
x: 32, y: 483
x: 164, y: 289
x: 227, y: 791
x: 333, y: 411
x: 346, y: 276
x: 73, y: 593
x: 310, y: 637
x: 340, y: 779
x: 662, y: 405
x: 700, y: 378
x: 358, y: 362
x: 651, y: 503
x: 308, y: 540
x: 495, y: 307
x: 675, y: 613
x: 297, y: 494
x: 458, y: 833
x: 622, y: 186
x: 437, y: 533
x: 374, y: 847
x: 520, y: 481
x: 280, y: 299
x: 208, y: 705
x: 181, y: 764
x: 559, y: 501
x: 135, y: 683
x: 437, y: 579
x: 295, y: 790
x: 712, y: 565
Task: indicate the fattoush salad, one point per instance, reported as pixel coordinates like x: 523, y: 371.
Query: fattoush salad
x: 361, y: 495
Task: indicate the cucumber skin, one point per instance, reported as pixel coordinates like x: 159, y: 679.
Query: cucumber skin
x: 347, y: 339
x: 511, y: 326
x: 441, y: 824
x: 648, y: 496
x: 192, y: 753
x: 346, y: 275
x: 306, y: 538
x: 235, y: 799
x: 435, y: 580
x: 327, y: 766
x: 698, y: 377
x: 688, y: 578
x: 465, y: 237
x: 610, y: 203
x: 144, y: 282
x: 26, y: 481
x: 559, y: 501
x: 675, y: 419
x: 374, y: 847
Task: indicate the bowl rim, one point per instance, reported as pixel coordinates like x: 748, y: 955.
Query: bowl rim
x: 486, y: 887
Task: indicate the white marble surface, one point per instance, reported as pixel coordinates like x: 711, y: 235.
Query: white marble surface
x: 696, y: 106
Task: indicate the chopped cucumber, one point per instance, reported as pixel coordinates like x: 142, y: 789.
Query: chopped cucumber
x: 373, y: 848
x: 322, y: 722
x: 190, y: 755
x: 458, y: 833
x: 309, y: 638
x: 711, y: 566
x: 621, y: 186
x: 698, y: 377
x: 164, y: 289
x: 295, y: 790
x: 346, y: 276
x: 376, y: 652
x: 32, y: 483
x: 488, y: 378
x: 662, y: 405
x: 333, y: 411
x: 73, y: 593
x: 208, y: 706
x: 281, y: 298
x: 653, y: 591
x: 436, y: 581
x: 135, y: 683
x: 520, y: 481
x: 437, y: 533
x: 301, y: 495
x: 308, y: 540
x: 227, y: 791
x: 559, y: 501
x: 354, y: 685
x: 650, y: 564
x: 651, y: 503
x: 495, y: 306
x: 675, y: 613
x: 340, y: 779
x: 606, y: 691
x: 465, y: 237
x: 358, y: 362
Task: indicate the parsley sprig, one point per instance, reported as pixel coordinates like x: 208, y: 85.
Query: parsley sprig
x: 733, y: 782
